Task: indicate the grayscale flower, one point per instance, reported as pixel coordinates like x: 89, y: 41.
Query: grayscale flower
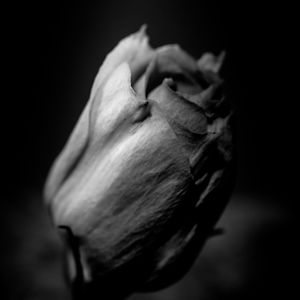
x: 147, y: 171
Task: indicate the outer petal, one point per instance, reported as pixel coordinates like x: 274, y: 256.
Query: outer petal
x: 129, y: 200
x: 107, y: 124
x: 136, y: 52
x: 133, y: 139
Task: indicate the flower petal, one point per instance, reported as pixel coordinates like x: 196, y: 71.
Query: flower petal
x: 150, y: 187
x: 172, y: 62
x: 106, y: 177
x: 104, y: 124
x: 177, y: 109
x: 210, y: 62
x: 134, y: 50
x: 213, y: 155
x: 115, y: 104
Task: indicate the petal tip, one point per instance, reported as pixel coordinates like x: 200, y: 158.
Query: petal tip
x: 143, y: 29
x: 211, y: 62
x: 141, y: 34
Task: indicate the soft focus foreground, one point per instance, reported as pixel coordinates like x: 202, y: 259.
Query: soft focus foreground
x: 251, y: 260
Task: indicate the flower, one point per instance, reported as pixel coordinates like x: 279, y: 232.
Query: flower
x: 148, y: 169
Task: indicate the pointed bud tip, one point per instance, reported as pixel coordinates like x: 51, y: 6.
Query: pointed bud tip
x: 143, y: 29
x: 141, y: 34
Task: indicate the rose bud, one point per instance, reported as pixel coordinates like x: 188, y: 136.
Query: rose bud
x: 147, y: 171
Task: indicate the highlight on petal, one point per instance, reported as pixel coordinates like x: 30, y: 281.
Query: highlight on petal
x: 134, y: 50
x: 146, y: 165
x: 116, y: 107
x: 152, y: 179
x: 114, y: 102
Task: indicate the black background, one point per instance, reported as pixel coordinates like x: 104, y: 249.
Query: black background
x: 53, y: 52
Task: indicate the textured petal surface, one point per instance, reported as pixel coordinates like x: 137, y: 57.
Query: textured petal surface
x: 108, y: 124
x: 130, y: 140
x: 131, y: 197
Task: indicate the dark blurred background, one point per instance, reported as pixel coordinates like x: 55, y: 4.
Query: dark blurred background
x: 53, y: 52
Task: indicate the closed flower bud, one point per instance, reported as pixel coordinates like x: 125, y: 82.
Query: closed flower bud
x: 147, y: 171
